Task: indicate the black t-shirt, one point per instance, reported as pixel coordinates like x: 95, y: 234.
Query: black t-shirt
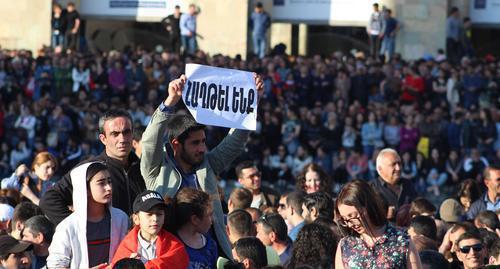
x: 71, y: 18
x: 173, y: 22
x: 99, y: 240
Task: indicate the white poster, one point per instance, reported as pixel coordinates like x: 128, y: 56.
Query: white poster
x: 485, y: 11
x: 334, y: 12
x: 221, y: 97
x: 140, y: 10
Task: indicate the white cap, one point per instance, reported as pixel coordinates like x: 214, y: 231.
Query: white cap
x: 6, y: 212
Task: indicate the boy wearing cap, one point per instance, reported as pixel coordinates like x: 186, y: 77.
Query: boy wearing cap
x: 13, y: 253
x: 148, y: 241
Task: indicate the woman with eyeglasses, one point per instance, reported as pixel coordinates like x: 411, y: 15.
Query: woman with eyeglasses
x: 369, y: 242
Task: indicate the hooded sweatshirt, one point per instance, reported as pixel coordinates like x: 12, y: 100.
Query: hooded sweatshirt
x: 170, y: 252
x: 69, y: 244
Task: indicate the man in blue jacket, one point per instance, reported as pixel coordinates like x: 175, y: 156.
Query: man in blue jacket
x: 490, y: 200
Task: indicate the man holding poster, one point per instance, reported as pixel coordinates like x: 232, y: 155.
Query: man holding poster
x: 185, y: 162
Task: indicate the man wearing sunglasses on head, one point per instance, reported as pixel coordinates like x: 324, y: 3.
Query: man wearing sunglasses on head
x: 471, y: 250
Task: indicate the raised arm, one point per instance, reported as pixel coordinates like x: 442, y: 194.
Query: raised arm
x: 153, y: 153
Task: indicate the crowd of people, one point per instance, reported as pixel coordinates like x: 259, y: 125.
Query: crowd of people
x: 355, y: 163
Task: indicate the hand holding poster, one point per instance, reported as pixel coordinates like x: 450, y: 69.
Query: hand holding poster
x: 221, y: 97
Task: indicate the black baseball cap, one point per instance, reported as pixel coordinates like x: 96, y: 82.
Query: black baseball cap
x: 147, y: 200
x: 10, y: 245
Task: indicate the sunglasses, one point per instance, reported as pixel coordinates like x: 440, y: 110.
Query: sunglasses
x: 476, y: 248
x: 265, y: 220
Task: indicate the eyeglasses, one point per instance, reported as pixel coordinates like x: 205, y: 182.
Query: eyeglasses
x: 353, y: 221
x: 476, y: 248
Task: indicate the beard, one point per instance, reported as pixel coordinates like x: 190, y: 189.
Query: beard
x: 191, y: 159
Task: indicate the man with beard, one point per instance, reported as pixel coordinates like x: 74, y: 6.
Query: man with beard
x: 185, y: 162
x: 396, y: 191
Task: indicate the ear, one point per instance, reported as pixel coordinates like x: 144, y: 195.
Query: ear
x: 194, y: 220
x: 135, y: 219
x: 491, y: 260
x: 175, y: 143
x: 40, y: 238
x: 135, y: 144
x: 19, y: 226
x: 228, y: 231
x: 272, y: 236
x: 246, y: 263
x: 229, y: 205
x: 314, y: 212
x: 102, y: 137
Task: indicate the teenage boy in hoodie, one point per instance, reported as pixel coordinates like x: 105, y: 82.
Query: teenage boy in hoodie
x: 148, y: 241
x: 89, y: 237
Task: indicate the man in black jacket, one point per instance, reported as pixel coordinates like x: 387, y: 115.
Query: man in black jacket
x: 396, y: 191
x: 250, y: 178
x: 171, y: 24
x: 115, y: 128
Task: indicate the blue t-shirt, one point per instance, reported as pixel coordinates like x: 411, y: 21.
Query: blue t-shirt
x: 390, y: 25
x: 205, y: 257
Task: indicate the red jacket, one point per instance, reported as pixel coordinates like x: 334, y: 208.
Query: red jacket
x: 170, y: 251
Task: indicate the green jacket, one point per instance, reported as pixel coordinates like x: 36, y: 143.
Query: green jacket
x: 161, y: 175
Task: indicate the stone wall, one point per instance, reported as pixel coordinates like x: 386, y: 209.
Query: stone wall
x: 25, y: 24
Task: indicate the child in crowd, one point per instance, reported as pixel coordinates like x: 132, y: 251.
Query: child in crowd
x: 89, y: 236
x: 148, y: 241
x: 193, y: 211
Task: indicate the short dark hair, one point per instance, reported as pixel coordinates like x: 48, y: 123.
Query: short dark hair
x: 129, y: 263
x: 137, y: 133
x: 469, y: 235
x: 375, y: 4
x: 275, y: 223
x: 420, y: 206
x: 111, y: 115
x: 424, y: 225
x: 243, y: 165
x: 433, y: 259
x: 252, y: 248
x: 240, y: 221
x: 489, y: 219
x: 295, y: 200
x: 494, y: 250
x: 40, y: 224
x: 24, y: 211
x: 241, y: 198
x: 321, y: 201
x: 488, y: 237
x: 259, y: 5
x: 180, y: 126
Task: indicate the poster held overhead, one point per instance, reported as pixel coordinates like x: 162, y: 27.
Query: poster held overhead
x: 221, y: 97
